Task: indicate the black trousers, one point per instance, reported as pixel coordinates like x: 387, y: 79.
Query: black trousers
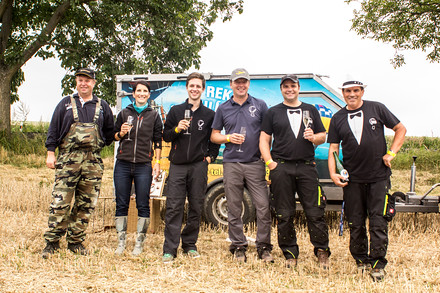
x: 184, y: 180
x: 362, y: 201
x: 299, y: 177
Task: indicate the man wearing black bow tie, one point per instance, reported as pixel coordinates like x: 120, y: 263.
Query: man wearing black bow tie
x: 296, y: 127
x: 359, y: 127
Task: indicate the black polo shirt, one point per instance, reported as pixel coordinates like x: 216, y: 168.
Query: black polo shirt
x: 232, y: 116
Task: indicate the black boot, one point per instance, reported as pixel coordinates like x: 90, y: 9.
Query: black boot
x: 50, y: 248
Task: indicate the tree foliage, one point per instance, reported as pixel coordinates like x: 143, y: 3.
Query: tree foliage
x: 406, y: 24
x: 111, y: 36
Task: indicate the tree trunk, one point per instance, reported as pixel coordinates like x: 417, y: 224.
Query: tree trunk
x: 5, y: 101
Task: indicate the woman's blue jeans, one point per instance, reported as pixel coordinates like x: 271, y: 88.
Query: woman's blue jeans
x: 123, y: 176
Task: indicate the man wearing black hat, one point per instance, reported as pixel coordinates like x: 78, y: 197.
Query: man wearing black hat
x: 359, y: 127
x: 81, y: 125
x: 241, y: 118
x: 296, y: 127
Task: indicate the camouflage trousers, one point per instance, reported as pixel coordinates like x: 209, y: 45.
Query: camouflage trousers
x: 78, y: 175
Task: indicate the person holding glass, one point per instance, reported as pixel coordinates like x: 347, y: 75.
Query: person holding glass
x: 296, y: 127
x: 139, y: 130
x: 241, y: 117
x: 188, y: 128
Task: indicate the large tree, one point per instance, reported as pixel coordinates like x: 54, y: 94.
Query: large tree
x: 406, y: 24
x: 112, y: 36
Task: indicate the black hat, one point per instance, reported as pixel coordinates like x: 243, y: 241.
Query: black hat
x: 291, y: 77
x: 87, y: 72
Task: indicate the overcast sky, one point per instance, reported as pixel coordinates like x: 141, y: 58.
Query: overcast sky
x: 291, y: 36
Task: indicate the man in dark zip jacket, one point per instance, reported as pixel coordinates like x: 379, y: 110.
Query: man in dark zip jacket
x: 191, y: 152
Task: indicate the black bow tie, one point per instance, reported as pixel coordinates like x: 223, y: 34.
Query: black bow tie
x: 294, y: 111
x: 359, y: 114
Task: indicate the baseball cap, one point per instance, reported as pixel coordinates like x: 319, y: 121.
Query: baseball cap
x: 87, y: 72
x: 291, y: 77
x: 240, y: 73
x: 352, y: 83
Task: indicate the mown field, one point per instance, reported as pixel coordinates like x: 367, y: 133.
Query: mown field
x: 414, y: 251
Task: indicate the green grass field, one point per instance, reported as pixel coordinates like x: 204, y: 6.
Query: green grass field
x: 27, y: 149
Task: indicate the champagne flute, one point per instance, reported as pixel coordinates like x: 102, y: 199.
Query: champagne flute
x: 307, y: 120
x: 130, y: 120
x: 242, y: 132
x: 187, y: 117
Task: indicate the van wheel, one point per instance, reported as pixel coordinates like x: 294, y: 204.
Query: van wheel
x: 215, y: 207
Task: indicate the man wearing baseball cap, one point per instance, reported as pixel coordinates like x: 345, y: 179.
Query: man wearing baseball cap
x: 296, y: 127
x: 81, y: 125
x: 241, y: 117
x: 359, y: 128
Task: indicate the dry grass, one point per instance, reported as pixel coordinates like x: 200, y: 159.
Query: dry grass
x: 424, y: 180
x: 33, y: 160
x: 25, y: 194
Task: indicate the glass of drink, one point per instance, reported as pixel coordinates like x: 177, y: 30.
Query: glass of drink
x: 242, y: 132
x: 307, y: 120
x: 187, y: 117
x: 130, y: 120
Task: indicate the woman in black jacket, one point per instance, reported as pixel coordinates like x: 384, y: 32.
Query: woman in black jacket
x: 138, y: 129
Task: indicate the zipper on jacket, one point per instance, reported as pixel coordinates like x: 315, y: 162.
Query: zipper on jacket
x: 189, y: 143
x: 189, y: 147
x: 135, y: 140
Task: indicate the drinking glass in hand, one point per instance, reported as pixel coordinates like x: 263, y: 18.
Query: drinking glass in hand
x: 307, y: 120
x: 187, y: 117
x: 242, y: 132
x: 130, y: 120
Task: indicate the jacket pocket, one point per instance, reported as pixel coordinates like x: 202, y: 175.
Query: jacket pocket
x: 389, y: 210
